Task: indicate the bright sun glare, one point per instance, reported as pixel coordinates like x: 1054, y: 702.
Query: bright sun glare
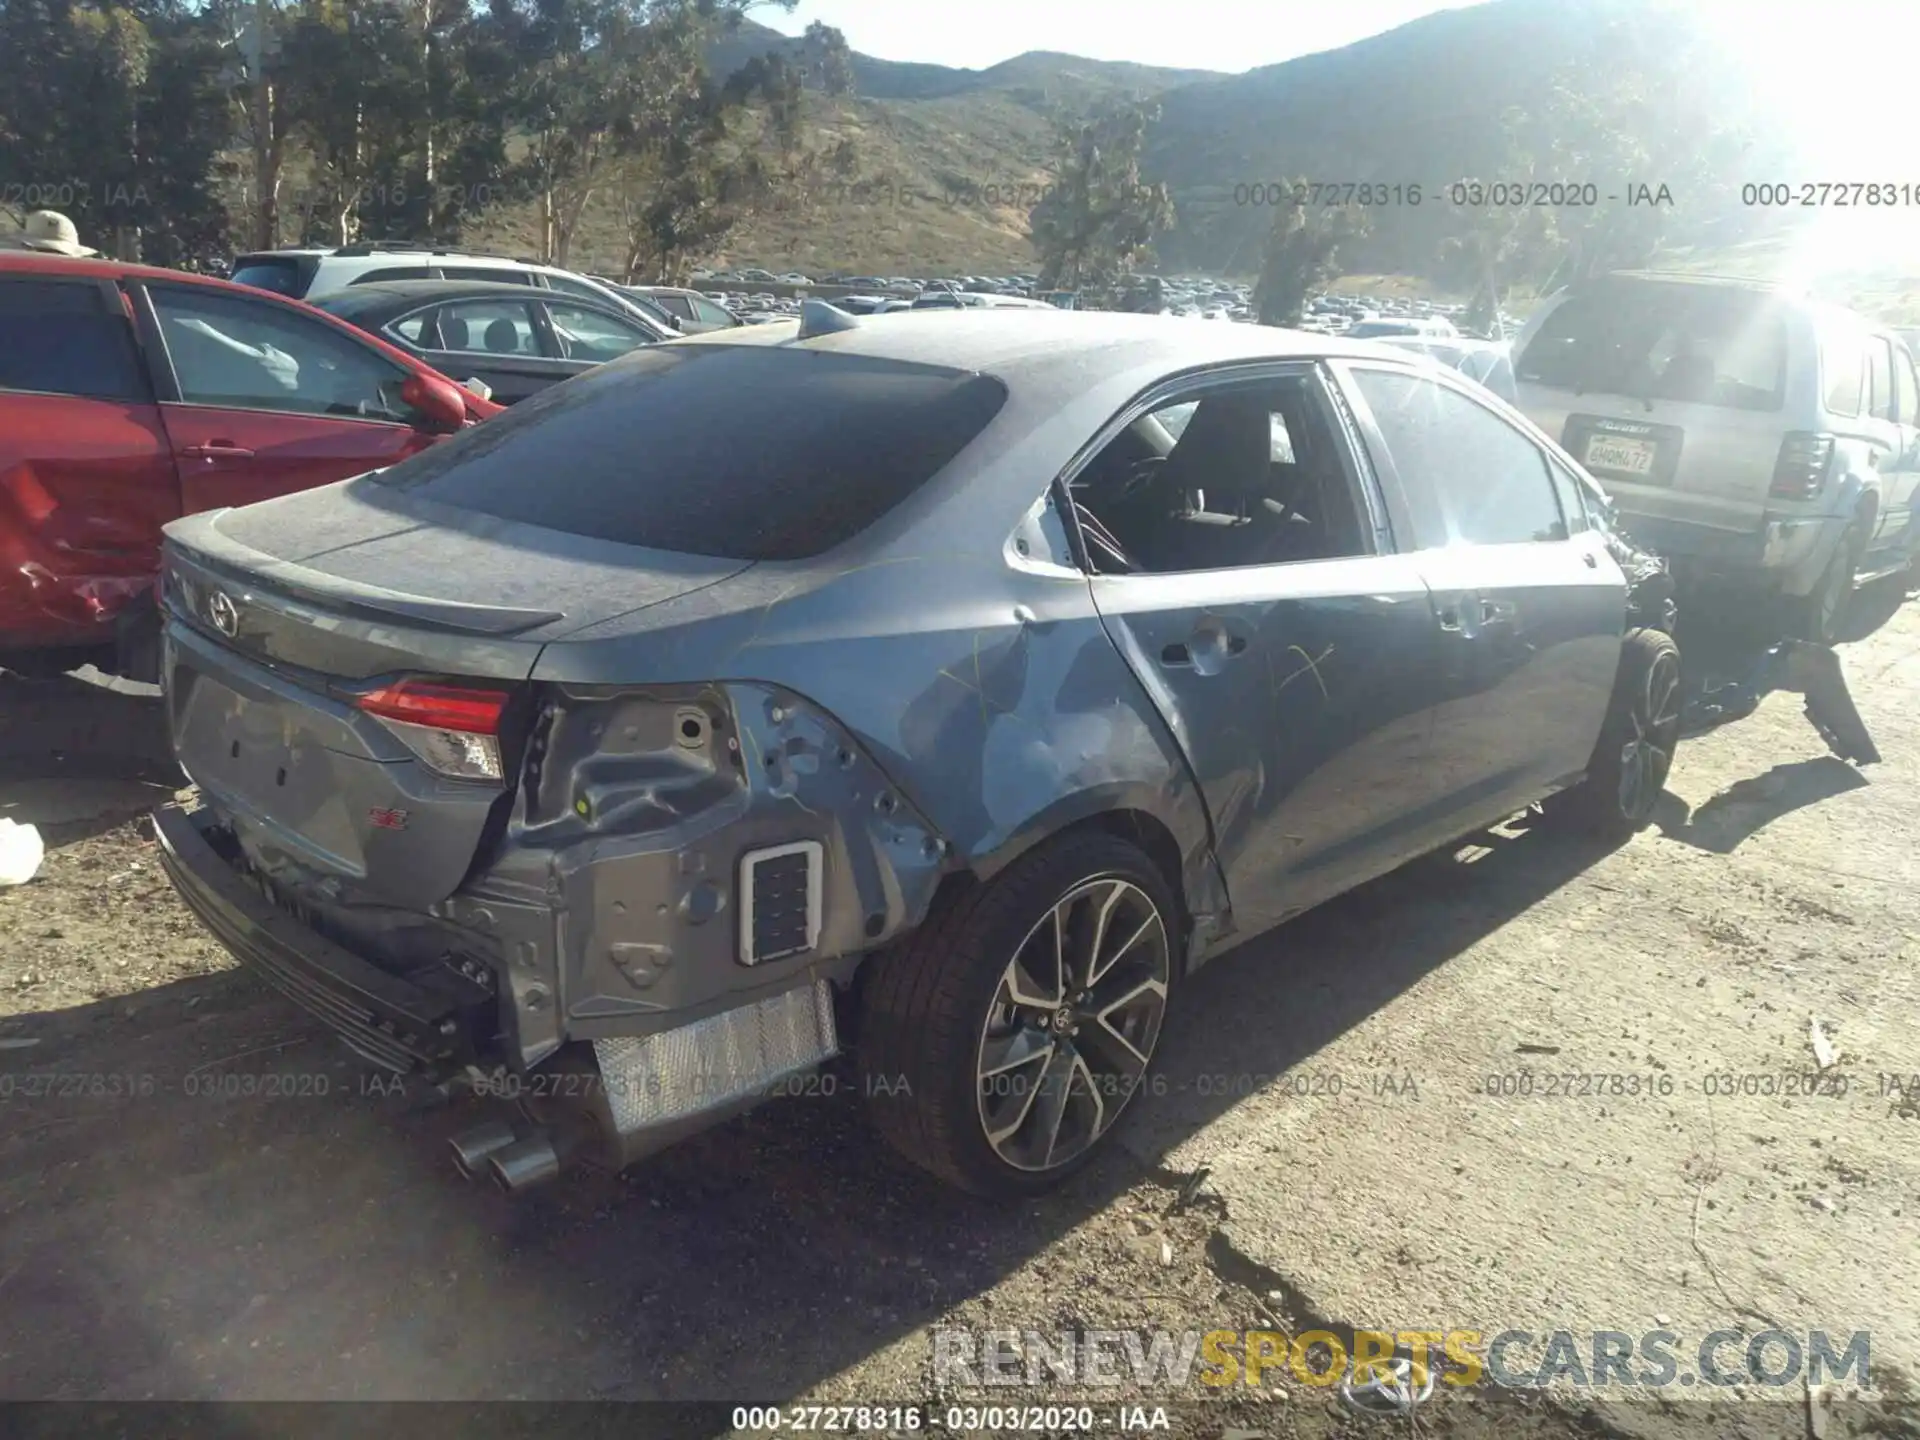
x: 1854, y: 121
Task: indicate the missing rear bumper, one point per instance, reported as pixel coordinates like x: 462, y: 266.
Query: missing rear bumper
x: 388, y: 1019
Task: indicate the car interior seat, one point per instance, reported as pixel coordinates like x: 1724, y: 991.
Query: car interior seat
x: 503, y: 337
x: 1209, y: 490
x: 454, y: 334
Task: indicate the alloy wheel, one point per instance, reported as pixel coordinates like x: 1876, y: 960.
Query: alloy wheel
x: 1647, y: 756
x: 1073, y: 1024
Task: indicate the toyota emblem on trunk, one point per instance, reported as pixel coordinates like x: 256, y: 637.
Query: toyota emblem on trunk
x: 224, y: 614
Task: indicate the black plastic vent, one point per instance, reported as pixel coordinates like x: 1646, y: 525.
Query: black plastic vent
x: 779, y: 902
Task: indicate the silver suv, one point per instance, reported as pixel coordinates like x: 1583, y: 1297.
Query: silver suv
x: 1748, y: 433
x: 312, y: 274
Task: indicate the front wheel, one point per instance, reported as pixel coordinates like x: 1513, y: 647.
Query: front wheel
x: 1003, y: 1041
x: 1632, y: 758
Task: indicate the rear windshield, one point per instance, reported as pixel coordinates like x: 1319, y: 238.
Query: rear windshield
x: 1664, y: 342
x: 744, y: 452
x: 282, y: 274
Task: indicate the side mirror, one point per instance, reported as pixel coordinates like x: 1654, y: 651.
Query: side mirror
x: 437, y: 399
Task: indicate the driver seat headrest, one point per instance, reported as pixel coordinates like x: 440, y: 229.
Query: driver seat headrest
x: 1225, y: 449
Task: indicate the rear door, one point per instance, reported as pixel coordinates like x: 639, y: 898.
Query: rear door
x: 496, y: 340
x: 260, y: 399
x: 86, y: 472
x: 1530, y: 604
x: 1293, y: 660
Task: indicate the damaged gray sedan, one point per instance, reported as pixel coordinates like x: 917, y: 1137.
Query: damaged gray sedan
x: 944, y: 689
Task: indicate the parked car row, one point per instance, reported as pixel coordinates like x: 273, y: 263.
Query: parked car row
x: 313, y: 274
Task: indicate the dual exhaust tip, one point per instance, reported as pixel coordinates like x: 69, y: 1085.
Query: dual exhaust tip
x: 513, y: 1161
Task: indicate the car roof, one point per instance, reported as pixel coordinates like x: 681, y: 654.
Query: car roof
x: 354, y: 252
x: 1050, y: 346
x: 100, y: 268
x: 377, y: 293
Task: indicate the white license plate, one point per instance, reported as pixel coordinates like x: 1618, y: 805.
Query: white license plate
x: 1613, y: 452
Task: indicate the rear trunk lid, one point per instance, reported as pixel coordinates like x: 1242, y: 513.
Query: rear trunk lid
x: 279, y: 632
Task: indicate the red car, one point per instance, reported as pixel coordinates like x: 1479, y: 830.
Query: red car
x: 130, y: 396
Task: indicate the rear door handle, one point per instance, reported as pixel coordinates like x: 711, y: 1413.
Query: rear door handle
x: 1496, y: 612
x: 1178, y: 655
x: 217, y: 450
x: 1450, y: 619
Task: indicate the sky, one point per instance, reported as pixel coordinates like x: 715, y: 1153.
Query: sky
x: 1227, y: 35
x: 1851, y: 106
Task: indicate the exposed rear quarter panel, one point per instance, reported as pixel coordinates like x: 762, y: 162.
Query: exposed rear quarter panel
x: 992, y: 696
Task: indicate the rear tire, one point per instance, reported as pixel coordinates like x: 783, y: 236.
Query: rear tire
x: 1819, y: 616
x: 989, y: 1066
x: 1634, y: 753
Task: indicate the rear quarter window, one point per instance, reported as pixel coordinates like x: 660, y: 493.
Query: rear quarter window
x: 651, y: 450
x: 62, y: 339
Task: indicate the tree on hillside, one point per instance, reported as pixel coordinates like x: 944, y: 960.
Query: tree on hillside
x: 112, y: 115
x: 725, y: 151
x: 1098, y: 217
x: 1649, y: 121
x: 589, y: 82
x: 1302, y: 254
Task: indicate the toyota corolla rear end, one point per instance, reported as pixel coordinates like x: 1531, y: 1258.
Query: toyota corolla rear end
x: 632, y: 898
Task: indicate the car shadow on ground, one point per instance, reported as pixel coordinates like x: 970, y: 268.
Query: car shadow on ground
x: 1724, y: 822
x: 1872, y: 606
x: 206, y: 1196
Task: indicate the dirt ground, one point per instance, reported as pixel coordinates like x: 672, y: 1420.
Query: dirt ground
x: 168, y: 1231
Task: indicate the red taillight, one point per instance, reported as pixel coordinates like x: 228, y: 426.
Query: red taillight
x: 440, y: 707
x: 452, y: 728
x: 1802, y: 467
